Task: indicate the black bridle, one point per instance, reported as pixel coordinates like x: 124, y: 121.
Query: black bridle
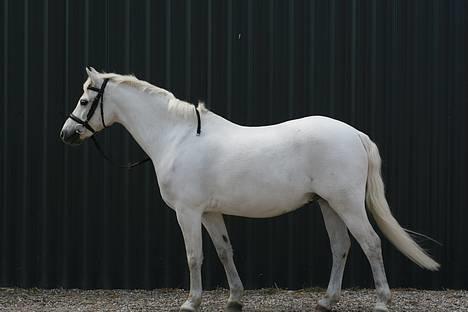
x: 99, y: 99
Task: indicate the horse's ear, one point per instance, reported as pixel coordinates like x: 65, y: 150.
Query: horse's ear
x: 92, y: 73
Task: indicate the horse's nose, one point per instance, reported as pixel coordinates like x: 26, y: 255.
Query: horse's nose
x: 70, y: 137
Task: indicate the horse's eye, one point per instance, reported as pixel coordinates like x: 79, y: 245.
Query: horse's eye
x: 84, y: 102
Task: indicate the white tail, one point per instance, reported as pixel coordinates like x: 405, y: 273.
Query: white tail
x: 378, y: 206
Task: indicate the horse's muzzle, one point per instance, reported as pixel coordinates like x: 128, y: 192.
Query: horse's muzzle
x: 71, y: 137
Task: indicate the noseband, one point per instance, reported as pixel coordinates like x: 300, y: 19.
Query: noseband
x: 99, y: 98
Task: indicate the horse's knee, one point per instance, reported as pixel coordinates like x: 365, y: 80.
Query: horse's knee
x: 194, y: 262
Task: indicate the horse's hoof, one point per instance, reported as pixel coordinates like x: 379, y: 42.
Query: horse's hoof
x: 321, y: 308
x: 380, y: 307
x: 233, y: 306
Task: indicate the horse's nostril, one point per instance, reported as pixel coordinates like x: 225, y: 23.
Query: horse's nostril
x: 65, y: 136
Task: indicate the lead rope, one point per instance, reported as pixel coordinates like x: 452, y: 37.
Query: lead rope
x: 127, y: 166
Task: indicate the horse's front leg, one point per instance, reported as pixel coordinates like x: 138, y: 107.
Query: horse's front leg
x: 190, y: 224
x: 216, y: 228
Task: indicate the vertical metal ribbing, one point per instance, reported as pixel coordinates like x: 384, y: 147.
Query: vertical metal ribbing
x: 451, y: 65
x: 229, y: 59
x: 188, y: 49
x: 414, y: 91
x: 66, y: 215
x: 250, y: 61
x: 460, y: 165
x: 271, y: 56
x: 45, y: 117
x: 5, y: 235
x: 209, y: 54
x: 168, y: 45
x: 84, y: 219
x: 353, y: 116
x: 373, y: 65
x: 332, y: 60
x: 25, y: 191
x: 438, y: 180
x: 310, y: 59
x: 433, y: 91
x: 291, y: 59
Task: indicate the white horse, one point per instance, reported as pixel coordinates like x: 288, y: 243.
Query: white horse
x: 255, y: 172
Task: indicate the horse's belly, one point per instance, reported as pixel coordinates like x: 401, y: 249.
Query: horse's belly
x: 259, y: 203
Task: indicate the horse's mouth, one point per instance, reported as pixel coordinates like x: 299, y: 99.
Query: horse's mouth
x: 73, y: 140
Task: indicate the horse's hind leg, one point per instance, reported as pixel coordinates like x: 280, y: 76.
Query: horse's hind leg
x: 352, y: 211
x: 216, y: 228
x: 340, y: 243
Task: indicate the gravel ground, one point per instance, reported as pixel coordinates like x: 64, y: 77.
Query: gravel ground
x: 55, y: 300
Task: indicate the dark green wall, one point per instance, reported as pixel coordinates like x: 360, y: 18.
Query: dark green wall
x: 396, y: 70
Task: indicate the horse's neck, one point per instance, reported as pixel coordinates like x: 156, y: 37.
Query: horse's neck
x: 149, y: 121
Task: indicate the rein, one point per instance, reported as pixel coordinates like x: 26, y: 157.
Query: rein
x: 99, y: 99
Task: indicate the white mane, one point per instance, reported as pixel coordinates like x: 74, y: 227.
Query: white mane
x: 175, y: 105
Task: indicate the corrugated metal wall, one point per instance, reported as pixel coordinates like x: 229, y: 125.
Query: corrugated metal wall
x: 394, y: 69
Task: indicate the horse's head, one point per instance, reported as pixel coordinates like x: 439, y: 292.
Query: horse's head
x: 89, y: 115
